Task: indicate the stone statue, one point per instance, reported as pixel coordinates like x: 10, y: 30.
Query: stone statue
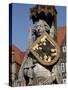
x: 31, y: 71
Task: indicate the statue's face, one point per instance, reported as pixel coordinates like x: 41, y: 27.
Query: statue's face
x: 41, y: 26
x: 40, y: 29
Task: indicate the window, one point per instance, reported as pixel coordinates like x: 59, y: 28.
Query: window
x: 64, y: 81
x: 64, y: 49
x: 63, y: 67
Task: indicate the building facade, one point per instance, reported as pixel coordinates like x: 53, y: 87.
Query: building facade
x: 63, y: 60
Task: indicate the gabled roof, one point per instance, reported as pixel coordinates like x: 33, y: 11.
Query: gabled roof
x: 18, y: 54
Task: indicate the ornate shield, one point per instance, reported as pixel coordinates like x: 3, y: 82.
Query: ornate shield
x: 45, y: 50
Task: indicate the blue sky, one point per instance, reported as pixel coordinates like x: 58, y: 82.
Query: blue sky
x: 21, y: 23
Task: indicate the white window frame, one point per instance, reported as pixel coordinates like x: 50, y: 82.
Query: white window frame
x: 64, y: 81
x: 63, y: 67
x: 64, y: 49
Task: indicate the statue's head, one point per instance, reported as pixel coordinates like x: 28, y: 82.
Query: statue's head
x: 40, y: 27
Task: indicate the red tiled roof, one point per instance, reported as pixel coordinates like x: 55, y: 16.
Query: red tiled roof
x: 61, y: 35
x: 18, y: 54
